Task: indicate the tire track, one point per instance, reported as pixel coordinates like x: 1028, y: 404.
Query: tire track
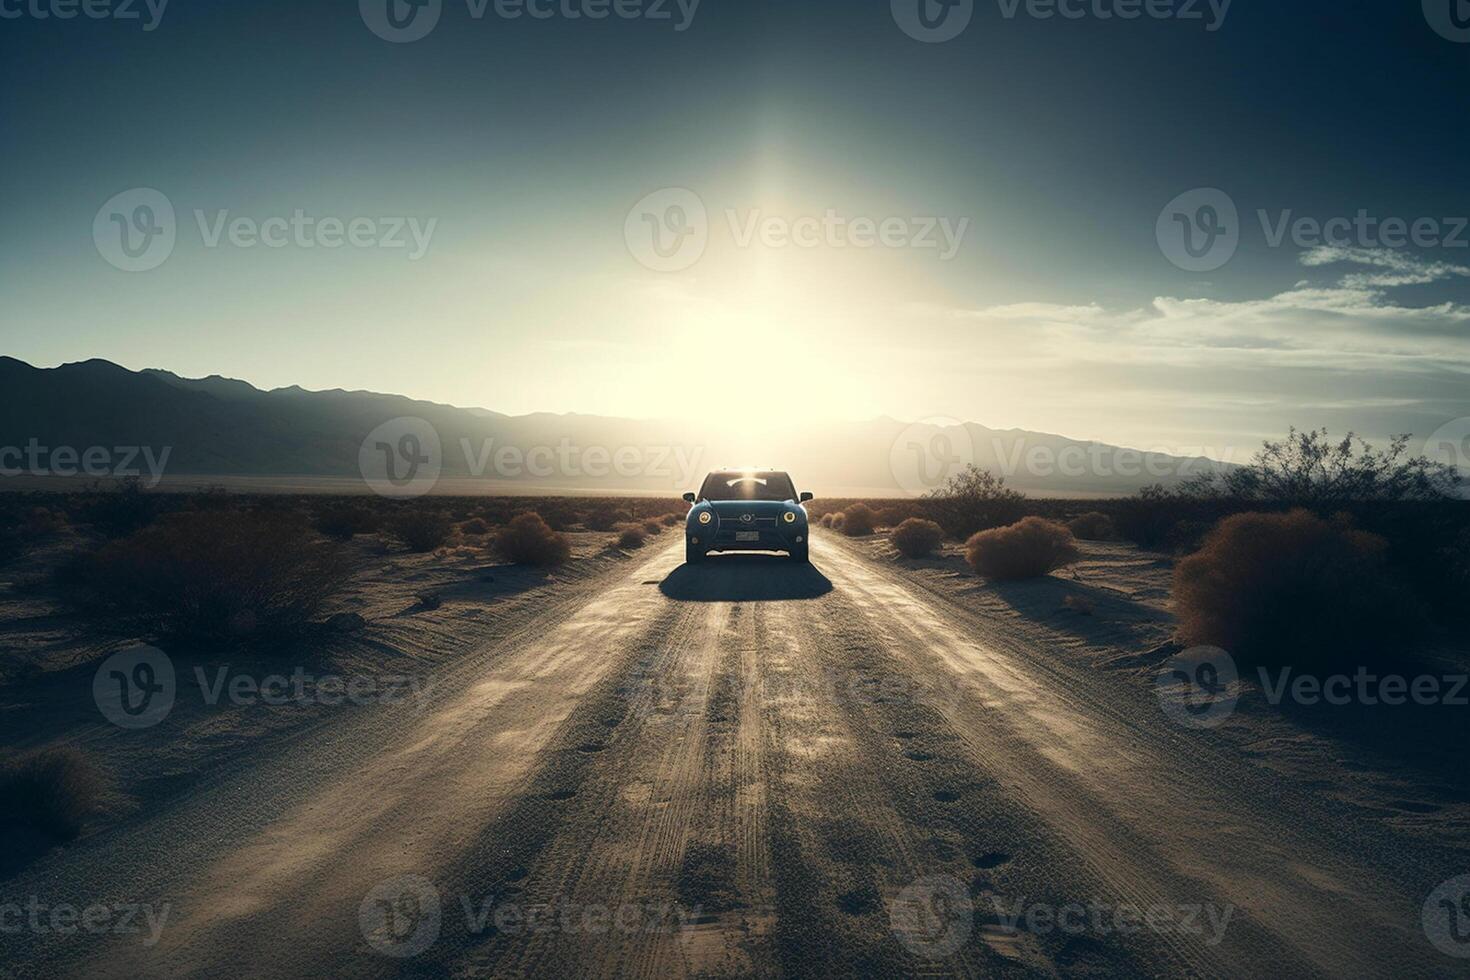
x: 1156, y: 822
x: 887, y: 800
x: 412, y: 807
x: 651, y: 828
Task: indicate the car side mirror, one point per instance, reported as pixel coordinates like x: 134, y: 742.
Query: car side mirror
x: 689, y: 498
x: 806, y: 496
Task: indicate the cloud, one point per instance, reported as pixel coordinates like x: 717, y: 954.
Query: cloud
x: 1338, y: 349
x: 1400, y: 268
x: 1354, y: 314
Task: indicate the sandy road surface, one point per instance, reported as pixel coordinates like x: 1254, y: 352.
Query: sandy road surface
x: 750, y: 768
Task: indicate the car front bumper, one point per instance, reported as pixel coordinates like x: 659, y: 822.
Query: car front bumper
x: 727, y: 539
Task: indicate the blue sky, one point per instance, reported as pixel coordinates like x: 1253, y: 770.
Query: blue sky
x: 519, y: 147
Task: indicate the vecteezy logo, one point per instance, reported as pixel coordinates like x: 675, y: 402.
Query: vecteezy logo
x: 927, y: 454
x: 1446, y: 917
x: 1449, y: 18
x: 933, y: 21
x: 1198, y: 688
x: 933, y: 917
x: 135, y: 231
x: 134, y: 688
x: 400, y: 21
x: 401, y: 917
x: 668, y: 230
x: 401, y: 458
x: 1450, y: 444
x: 1199, y: 230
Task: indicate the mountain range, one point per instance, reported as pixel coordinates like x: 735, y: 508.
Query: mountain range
x: 228, y: 429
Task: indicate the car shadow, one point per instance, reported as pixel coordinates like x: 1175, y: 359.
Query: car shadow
x: 745, y: 578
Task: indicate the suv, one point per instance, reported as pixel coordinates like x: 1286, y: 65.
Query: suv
x: 746, y: 510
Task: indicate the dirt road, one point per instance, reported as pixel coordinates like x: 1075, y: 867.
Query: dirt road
x: 750, y: 767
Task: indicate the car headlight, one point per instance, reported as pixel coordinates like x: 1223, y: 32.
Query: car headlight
x: 705, y: 517
x: 790, y: 517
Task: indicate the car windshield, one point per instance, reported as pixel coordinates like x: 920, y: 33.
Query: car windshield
x: 747, y: 486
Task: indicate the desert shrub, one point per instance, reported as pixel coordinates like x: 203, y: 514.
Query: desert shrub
x: 917, y: 538
x: 601, y: 519
x: 859, y: 521
x: 1030, y: 548
x: 475, y: 526
x: 825, y: 520
x: 1161, y: 519
x: 1428, y: 550
x: 1309, y: 469
x: 890, y: 517
x: 529, y: 540
x: 213, y: 577
x: 1186, y: 536
x: 839, y: 521
x: 121, y: 509
x: 1293, y: 588
x: 1092, y: 526
x: 345, y: 521
x: 421, y: 529
x: 975, y: 500
x: 53, y: 790
x: 652, y: 527
x: 632, y: 538
x: 673, y: 520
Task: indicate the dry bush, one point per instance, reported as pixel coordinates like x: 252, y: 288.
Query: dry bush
x: 214, y: 577
x: 825, y: 520
x: 342, y: 522
x: 601, y: 519
x: 422, y: 530
x: 1293, y: 588
x: 1166, y: 520
x: 558, y: 517
x: 122, y: 509
x: 1187, y: 537
x: 475, y: 526
x: 890, y: 517
x: 858, y: 521
x: 673, y: 520
x: 53, y: 790
x: 1429, y: 551
x: 839, y: 521
x: 1092, y: 526
x: 1309, y: 469
x: 1030, y: 548
x: 652, y: 527
x: 975, y: 500
x: 631, y: 538
x: 529, y: 540
x: 917, y: 538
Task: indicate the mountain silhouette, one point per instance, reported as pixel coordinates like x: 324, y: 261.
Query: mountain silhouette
x: 223, y: 427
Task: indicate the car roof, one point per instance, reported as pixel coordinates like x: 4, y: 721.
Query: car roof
x: 748, y: 472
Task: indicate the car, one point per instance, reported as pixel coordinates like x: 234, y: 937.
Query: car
x: 746, y: 510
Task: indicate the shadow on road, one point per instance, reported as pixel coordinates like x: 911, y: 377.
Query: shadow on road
x: 745, y: 578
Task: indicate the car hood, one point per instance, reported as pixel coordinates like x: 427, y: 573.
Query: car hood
x: 732, y: 509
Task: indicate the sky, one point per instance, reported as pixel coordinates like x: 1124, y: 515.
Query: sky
x: 739, y: 210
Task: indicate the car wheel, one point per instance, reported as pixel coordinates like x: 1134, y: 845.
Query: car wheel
x: 800, y: 554
x: 692, y: 555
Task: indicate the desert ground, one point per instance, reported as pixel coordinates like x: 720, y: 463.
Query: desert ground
x: 629, y: 766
